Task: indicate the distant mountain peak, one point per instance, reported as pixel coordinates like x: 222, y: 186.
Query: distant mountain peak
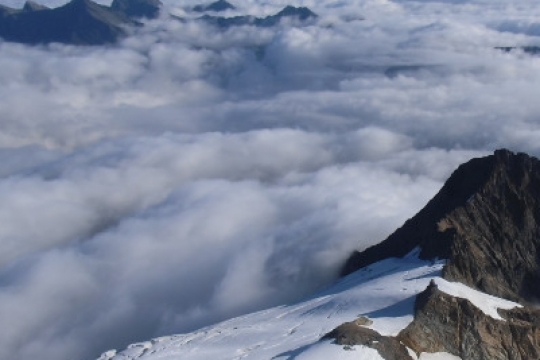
x: 79, y: 22
x: 301, y: 14
x: 33, y: 6
x: 138, y: 8
x: 217, y: 6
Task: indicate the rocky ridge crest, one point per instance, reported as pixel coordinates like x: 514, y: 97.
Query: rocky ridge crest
x: 485, y: 222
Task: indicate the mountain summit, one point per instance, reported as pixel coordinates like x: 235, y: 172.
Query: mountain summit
x: 485, y: 221
x: 485, y: 224
x: 79, y: 22
x: 458, y: 281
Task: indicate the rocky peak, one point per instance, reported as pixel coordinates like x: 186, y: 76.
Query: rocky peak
x: 485, y: 220
x: 443, y: 323
x: 33, y: 6
x: 138, y: 8
x: 81, y: 22
x: 217, y: 6
x: 302, y: 13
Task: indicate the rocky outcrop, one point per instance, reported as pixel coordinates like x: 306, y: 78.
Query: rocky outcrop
x: 217, y: 6
x: 33, y: 6
x: 302, y: 15
x: 485, y: 221
x: 447, y: 324
x: 444, y: 323
x: 137, y: 8
x: 79, y: 22
x: 354, y: 333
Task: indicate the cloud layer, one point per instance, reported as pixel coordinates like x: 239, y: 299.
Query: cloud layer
x: 188, y: 175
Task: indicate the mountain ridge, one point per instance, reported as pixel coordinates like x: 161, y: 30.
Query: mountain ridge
x: 485, y: 205
x: 424, y: 304
x: 78, y: 22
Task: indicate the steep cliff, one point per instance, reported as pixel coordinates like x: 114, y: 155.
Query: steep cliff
x: 485, y: 221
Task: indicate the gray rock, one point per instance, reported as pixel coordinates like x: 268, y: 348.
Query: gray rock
x: 447, y: 324
x: 137, y: 8
x: 351, y: 333
x: 300, y: 14
x: 217, y: 6
x: 80, y: 22
x: 485, y: 221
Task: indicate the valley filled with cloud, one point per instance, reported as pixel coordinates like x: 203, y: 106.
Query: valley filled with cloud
x: 189, y: 174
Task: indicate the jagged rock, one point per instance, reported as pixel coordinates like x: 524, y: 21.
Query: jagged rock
x: 137, y: 8
x: 351, y: 333
x: 81, y: 22
x: 220, y: 5
x: 33, y: 6
x: 443, y: 323
x: 300, y: 14
x: 7, y: 11
x: 485, y: 221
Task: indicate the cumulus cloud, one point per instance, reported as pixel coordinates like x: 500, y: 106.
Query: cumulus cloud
x: 190, y: 174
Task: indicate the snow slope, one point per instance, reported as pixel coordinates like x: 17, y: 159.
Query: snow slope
x: 384, y: 292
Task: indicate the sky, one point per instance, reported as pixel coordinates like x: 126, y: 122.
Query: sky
x: 188, y: 174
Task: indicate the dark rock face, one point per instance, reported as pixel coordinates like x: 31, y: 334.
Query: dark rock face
x: 496, y: 235
x: 137, y: 8
x: 220, y: 5
x: 485, y: 221
x: 33, y: 6
x: 300, y: 14
x: 443, y: 323
x: 447, y: 324
x: 353, y: 333
x: 80, y: 22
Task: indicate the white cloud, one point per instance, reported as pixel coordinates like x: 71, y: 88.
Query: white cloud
x: 190, y: 174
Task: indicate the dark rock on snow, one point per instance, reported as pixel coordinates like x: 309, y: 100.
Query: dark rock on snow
x: 353, y: 333
x: 486, y: 222
x: 447, y: 324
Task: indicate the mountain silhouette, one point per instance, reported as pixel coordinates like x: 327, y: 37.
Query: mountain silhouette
x: 220, y: 5
x: 79, y: 22
x: 291, y: 13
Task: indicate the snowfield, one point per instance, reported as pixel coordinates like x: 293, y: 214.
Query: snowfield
x: 384, y: 292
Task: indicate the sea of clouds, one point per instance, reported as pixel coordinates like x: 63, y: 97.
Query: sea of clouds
x: 189, y: 174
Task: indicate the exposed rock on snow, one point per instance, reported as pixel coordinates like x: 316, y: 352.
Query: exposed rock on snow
x: 350, y: 334
x: 481, y: 231
x: 485, y: 221
x: 444, y: 323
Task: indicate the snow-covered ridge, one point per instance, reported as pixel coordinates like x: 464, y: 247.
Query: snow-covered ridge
x: 384, y: 292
